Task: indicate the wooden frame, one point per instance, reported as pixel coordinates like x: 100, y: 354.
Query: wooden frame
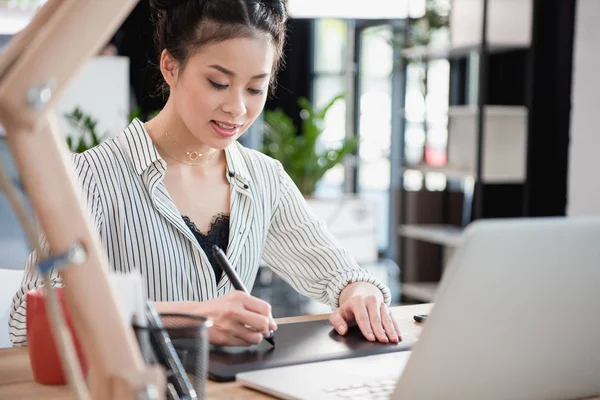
x: 34, y: 70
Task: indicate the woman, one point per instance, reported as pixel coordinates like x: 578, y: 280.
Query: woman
x: 162, y: 193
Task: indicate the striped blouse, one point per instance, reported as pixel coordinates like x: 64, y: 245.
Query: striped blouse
x: 143, y: 232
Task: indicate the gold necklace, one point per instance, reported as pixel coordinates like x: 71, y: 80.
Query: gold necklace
x: 212, y: 155
x: 191, y: 155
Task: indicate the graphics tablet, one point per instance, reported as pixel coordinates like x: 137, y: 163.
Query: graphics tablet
x: 296, y: 343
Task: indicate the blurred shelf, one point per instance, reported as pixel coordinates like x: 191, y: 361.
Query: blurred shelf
x: 504, y: 141
x: 420, y: 291
x: 473, y: 110
x: 449, y: 171
x: 447, y: 235
x: 504, y: 145
x: 459, y: 174
x: 448, y: 52
x: 489, y: 110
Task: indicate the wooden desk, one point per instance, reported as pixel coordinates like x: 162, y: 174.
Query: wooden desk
x: 16, y: 380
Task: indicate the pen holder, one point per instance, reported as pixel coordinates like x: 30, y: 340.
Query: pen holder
x: 189, y: 336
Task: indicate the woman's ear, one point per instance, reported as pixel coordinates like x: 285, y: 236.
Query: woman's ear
x: 168, y: 68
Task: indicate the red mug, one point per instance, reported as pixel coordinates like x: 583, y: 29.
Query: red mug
x: 43, y: 354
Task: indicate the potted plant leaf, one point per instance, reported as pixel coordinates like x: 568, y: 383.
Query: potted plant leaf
x: 86, y: 127
x: 303, y: 157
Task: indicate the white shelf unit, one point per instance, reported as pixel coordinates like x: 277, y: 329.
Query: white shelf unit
x: 449, y: 51
x: 508, y: 28
x: 504, y: 142
x: 504, y: 151
x: 509, y: 23
x: 446, y: 235
x: 450, y: 171
x: 420, y: 291
x: 505, y: 145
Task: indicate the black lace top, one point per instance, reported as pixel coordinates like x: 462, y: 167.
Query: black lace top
x: 218, y: 234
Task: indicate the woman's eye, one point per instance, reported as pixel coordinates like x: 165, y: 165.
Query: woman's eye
x: 217, y: 85
x: 256, y: 91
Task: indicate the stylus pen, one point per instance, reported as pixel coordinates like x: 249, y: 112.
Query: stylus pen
x: 235, y: 279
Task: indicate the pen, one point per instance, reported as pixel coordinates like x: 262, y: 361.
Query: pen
x: 234, y: 278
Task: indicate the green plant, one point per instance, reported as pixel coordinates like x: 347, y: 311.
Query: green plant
x: 436, y: 17
x: 85, y: 125
x: 299, y: 151
x: 420, y: 30
x: 137, y: 113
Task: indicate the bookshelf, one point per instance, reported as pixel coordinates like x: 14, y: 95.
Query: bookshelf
x: 487, y: 136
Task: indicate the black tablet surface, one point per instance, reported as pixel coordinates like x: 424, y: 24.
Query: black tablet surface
x: 296, y: 343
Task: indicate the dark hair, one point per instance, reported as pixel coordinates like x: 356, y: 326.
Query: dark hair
x: 182, y: 26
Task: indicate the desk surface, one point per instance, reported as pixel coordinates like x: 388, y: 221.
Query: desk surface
x: 16, y: 380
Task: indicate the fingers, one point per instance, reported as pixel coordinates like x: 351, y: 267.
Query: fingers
x: 239, y: 319
x: 234, y: 335
x: 245, y: 335
x: 258, y: 306
x: 241, y: 308
x: 395, y: 324
x: 254, y: 321
x: 372, y: 317
x: 373, y: 309
x: 337, y: 320
x: 361, y: 315
x: 237, y: 326
x: 354, y: 310
x: 391, y: 329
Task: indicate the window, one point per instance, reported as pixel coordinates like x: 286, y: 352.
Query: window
x: 374, y: 104
x: 355, y: 9
x: 375, y: 122
x: 426, y: 135
x: 16, y: 14
x: 328, y: 82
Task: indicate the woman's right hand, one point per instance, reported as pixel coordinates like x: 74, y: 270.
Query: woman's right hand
x: 239, y: 319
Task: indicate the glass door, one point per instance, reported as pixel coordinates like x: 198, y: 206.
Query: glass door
x: 373, y: 110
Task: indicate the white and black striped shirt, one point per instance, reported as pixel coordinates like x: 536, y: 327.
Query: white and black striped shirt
x: 143, y: 232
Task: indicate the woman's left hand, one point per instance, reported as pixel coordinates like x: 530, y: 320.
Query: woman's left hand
x: 361, y: 303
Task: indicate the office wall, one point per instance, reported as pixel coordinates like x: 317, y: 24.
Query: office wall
x: 100, y: 89
x: 584, y: 153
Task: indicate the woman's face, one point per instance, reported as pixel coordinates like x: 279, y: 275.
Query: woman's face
x: 222, y: 88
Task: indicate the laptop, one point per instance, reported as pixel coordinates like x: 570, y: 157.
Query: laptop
x: 515, y: 317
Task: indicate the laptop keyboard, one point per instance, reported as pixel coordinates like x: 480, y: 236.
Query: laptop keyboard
x: 374, y: 390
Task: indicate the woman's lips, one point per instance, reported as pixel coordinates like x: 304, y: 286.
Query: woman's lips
x: 224, y: 129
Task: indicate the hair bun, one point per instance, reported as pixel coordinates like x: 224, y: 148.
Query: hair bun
x: 276, y: 5
x: 166, y: 5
